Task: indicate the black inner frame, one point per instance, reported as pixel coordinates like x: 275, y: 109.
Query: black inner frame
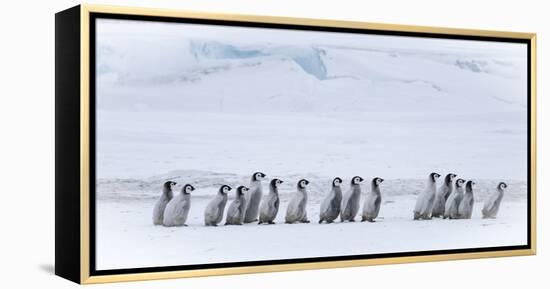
x: 92, y: 93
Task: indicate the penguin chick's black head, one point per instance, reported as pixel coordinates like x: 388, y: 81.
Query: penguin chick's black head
x: 336, y: 182
x: 224, y: 189
x: 257, y: 176
x: 303, y: 183
x: 241, y: 190
x: 187, y: 189
x: 449, y: 178
x: 275, y: 183
x: 502, y: 185
x: 469, y: 185
x: 356, y: 180
x: 377, y: 181
x: 460, y: 183
x: 434, y: 176
x: 169, y: 184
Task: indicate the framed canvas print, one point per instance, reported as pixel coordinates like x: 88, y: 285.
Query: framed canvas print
x: 193, y: 144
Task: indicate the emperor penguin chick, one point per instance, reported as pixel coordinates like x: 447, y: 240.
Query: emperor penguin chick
x: 296, y: 210
x: 467, y: 204
x: 270, y: 203
x: 330, y: 207
x: 160, y: 205
x: 213, y: 214
x: 492, y: 204
x: 350, y: 201
x: 235, y: 212
x: 253, y: 197
x: 453, y: 202
x: 371, y: 207
x: 425, y: 201
x: 442, y: 195
x: 177, y: 209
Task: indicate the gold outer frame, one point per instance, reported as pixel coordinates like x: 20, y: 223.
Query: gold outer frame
x: 85, y: 276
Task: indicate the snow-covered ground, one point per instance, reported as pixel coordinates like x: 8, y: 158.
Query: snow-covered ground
x: 126, y: 237
x: 209, y: 105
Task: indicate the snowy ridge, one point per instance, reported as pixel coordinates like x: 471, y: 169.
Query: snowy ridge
x: 204, y: 72
x: 312, y: 59
x: 309, y: 58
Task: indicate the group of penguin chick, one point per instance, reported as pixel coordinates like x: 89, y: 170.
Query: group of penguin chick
x: 249, y: 205
x: 452, y: 201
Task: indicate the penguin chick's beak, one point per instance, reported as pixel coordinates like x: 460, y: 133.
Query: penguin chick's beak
x: 381, y: 180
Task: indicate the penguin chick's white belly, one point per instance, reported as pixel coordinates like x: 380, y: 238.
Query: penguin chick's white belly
x: 371, y: 207
x: 296, y: 211
x: 254, y: 197
x: 177, y: 210
x: 492, y: 205
x: 213, y: 213
x: 235, y: 212
x: 158, y: 210
x: 424, y: 204
x: 269, y: 208
x: 452, y: 204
